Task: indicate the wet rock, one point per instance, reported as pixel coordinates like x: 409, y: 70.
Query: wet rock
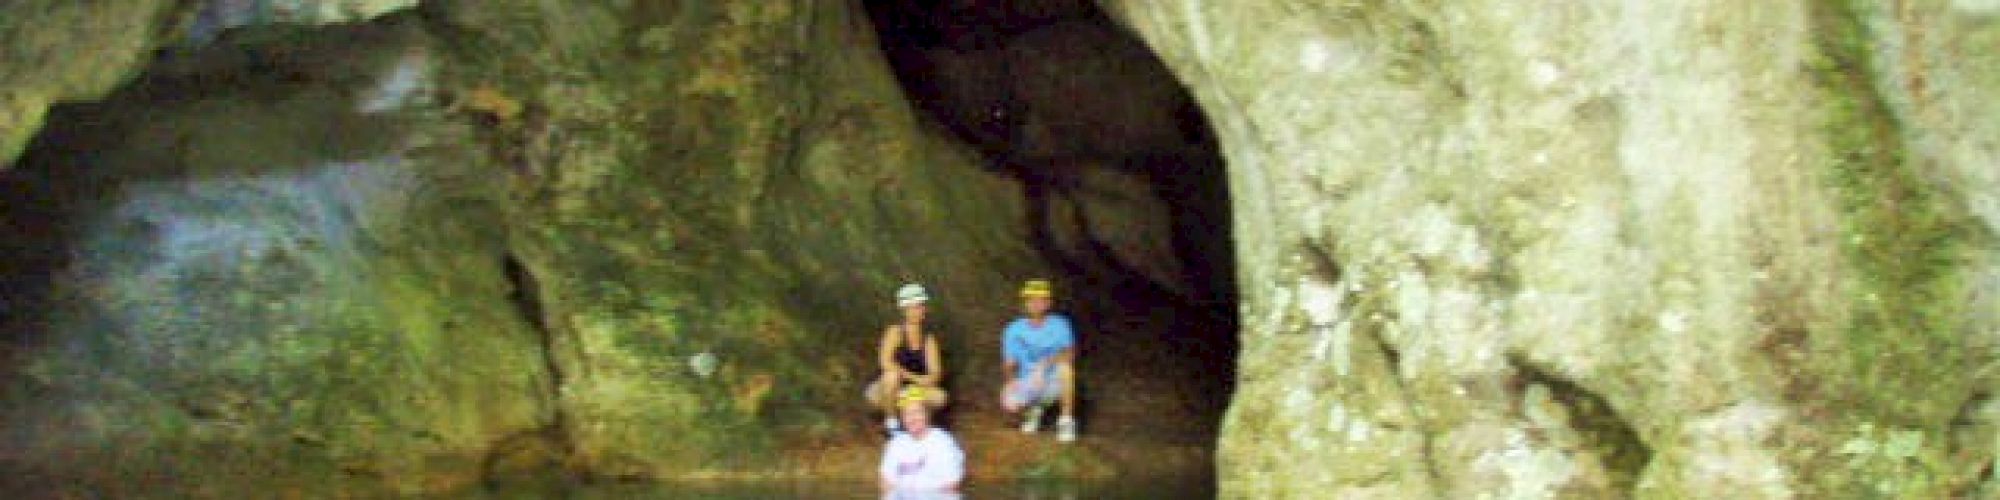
x: 262, y: 271
x: 1624, y: 249
x: 212, y: 17
x: 630, y: 240
x: 62, y: 50
x: 715, y: 201
x: 59, y: 51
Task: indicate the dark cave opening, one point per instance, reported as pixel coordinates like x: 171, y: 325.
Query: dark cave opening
x: 1159, y: 320
x: 1055, y: 95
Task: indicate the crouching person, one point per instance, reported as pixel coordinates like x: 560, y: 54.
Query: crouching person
x: 1039, y: 354
x: 923, y: 461
x: 909, y: 359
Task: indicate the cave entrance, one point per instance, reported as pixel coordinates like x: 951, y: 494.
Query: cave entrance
x: 1125, y: 193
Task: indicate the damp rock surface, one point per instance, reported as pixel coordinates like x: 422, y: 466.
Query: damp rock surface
x: 715, y: 201
x: 473, y: 242
x: 1622, y: 249
x: 263, y: 268
x: 61, y: 51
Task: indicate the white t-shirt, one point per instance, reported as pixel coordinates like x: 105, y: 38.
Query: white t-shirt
x: 932, y: 463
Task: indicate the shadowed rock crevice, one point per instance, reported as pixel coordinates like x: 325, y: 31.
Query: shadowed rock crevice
x: 1366, y: 318
x: 1971, y: 432
x: 551, y: 443
x: 1421, y: 421
x: 1608, y: 436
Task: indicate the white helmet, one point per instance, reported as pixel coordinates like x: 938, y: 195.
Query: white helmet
x: 911, y: 294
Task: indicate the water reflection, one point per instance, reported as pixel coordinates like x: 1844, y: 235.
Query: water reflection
x: 1146, y: 488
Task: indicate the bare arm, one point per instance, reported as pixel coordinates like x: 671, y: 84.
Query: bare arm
x: 887, y: 355
x: 1060, y: 358
x: 1067, y: 354
x: 933, y: 362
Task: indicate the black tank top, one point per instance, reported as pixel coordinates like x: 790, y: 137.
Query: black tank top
x: 908, y: 357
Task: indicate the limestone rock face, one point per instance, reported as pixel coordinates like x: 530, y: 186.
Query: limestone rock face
x: 716, y: 201
x: 214, y: 16
x: 60, y: 51
x: 223, y: 280
x: 1665, y: 250
x: 621, y: 239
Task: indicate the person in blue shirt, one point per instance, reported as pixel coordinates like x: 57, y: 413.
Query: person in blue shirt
x: 1039, y: 353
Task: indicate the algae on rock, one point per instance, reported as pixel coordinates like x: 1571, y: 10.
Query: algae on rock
x: 626, y: 239
x: 738, y: 182
x: 60, y: 51
x: 286, y: 279
x: 1752, y: 234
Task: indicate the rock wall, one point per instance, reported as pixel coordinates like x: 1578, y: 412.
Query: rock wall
x: 1601, y: 249
x: 716, y: 200
x: 1120, y: 171
x: 477, y: 239
x: 61, y: 51
x: 260, y: 268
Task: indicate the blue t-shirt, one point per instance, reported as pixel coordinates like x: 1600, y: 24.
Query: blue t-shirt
x: 1025, y: 345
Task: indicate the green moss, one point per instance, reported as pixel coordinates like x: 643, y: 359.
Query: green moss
x: 1901, y: 360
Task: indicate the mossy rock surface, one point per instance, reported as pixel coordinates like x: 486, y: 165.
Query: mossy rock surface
x: 1650, y: 250
x: 477, y: 239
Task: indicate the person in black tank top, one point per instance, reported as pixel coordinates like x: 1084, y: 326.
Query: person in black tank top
x: 910, y: 355
x: 909, y: 359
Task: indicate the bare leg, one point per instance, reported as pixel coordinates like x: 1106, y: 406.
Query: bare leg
x: 1007, y: 403
x: 1066, y: 375
x: 892, y: 384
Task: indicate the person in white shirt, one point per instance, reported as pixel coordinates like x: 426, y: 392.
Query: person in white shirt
x: 923, y: 459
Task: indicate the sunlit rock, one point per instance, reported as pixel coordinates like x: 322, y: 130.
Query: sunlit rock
x: 213, y: 17
x: 1665, y: 250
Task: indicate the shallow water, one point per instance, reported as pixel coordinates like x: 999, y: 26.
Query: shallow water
x: 1039, y: 489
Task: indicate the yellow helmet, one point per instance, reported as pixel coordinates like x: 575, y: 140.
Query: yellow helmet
x: 1037, y: 289
x: 916, y: 394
